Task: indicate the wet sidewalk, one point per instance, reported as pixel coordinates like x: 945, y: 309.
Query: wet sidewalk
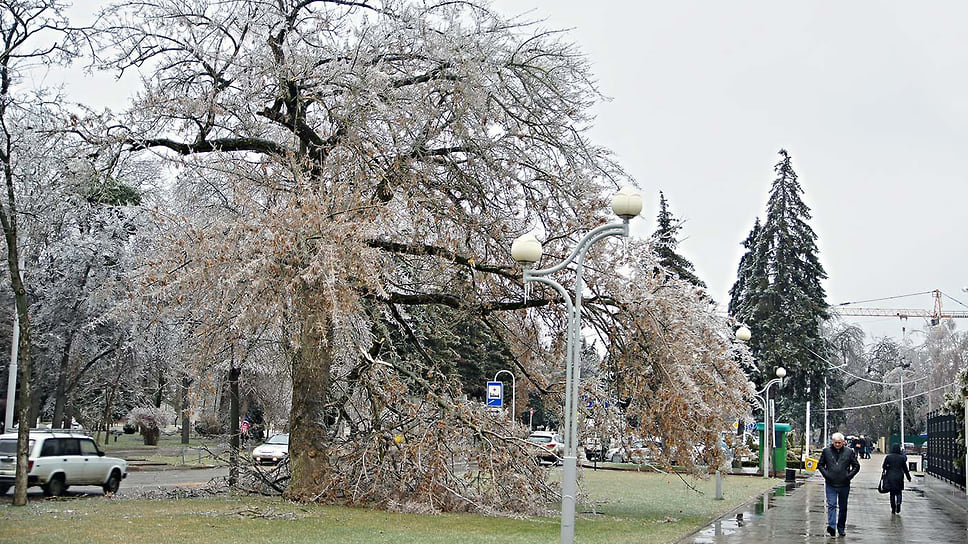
x: 797, y: 513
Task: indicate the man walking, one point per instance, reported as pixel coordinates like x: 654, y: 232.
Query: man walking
x: 838, y: 465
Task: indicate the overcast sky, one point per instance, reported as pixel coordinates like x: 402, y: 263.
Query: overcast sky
x: 870, y: 98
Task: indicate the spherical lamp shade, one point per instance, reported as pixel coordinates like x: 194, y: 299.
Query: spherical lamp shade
x: 526, y: 249
x: 780, y: 372
x: 627, y: 203
x: 743, y: 334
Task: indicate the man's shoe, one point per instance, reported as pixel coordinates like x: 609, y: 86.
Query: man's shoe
x: 842, y: 532
x: 830, y: 531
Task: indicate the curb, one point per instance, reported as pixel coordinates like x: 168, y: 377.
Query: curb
x: 161, y: 467
x: 730, y: 513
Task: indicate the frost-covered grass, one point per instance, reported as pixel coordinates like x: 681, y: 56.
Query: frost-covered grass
x: 624, y: 507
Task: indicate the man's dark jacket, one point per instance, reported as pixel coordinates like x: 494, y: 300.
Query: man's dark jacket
x: 838, y: 467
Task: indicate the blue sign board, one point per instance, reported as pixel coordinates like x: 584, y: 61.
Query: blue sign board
x: 495, y: 394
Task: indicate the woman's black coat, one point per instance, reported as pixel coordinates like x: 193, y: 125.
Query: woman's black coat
x: 896, y: 467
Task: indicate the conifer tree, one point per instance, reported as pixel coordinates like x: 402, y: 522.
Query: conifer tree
x: 779, y: 295
x: 746, y: 275
x: 666, y: 242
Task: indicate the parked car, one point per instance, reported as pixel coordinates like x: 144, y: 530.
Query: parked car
x: 59, y: 459
x: 552, y: 447
x: 910, y: 449
x: 595, y: 449
x: 635, y: 451
x: 273, y: 451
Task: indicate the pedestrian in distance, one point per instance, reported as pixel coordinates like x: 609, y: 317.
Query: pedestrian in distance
x: 838, y: 464
x: 895, y: 470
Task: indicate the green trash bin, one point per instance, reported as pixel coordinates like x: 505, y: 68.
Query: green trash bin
x: 779, y: 445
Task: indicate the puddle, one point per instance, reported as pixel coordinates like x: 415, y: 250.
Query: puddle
x: 730, y: 525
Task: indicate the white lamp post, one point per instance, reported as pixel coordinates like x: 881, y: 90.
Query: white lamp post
x: 513, y: 388
x: 743, y: 335
x: 527, y: 251
x: 763, y: 396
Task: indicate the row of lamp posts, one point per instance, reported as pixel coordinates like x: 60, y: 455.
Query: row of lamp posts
x: 527, y: 251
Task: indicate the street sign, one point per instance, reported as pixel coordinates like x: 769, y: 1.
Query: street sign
x: 495, y: 394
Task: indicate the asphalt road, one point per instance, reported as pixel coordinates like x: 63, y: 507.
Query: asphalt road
x: 138, y: 482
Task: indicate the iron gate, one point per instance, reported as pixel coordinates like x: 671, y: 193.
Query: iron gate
x: 944, y: 450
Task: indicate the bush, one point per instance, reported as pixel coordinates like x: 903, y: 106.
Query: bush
x: 208, y: 425
x: 129, y: 428
x: 150, y: 421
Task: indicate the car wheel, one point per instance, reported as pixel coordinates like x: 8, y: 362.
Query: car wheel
x: 617, y: 458
x: 113, y: 483
x: 4, y: 488
x: 55, y: 487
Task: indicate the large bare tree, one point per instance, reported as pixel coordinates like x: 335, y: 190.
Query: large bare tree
x: 339, y: 162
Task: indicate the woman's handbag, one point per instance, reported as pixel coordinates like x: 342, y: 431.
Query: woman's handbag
x: 882, y: 485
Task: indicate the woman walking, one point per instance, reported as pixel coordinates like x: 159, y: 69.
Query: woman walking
x: 895, y: 470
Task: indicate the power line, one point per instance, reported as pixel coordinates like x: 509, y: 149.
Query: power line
x: 875, y: 382
x: 890, y: 401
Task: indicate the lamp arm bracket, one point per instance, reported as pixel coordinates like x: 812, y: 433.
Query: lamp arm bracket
x: 587, y: 240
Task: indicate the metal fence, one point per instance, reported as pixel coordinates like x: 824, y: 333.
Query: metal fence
x: 944, y: 450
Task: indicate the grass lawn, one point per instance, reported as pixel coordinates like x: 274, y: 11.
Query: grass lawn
x: 621, y: 507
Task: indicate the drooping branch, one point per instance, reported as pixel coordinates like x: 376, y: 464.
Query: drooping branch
x: 427, y: 249
x: 252, y: 145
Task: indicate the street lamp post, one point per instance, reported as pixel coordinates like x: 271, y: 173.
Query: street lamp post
x: 768, y: 428
x: 904, y: 367
x: 527, y: 251
x: 743, y: 335
x: 496, y: 374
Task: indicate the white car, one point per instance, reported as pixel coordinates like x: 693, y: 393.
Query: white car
x: 59, y: 459
x: 549, y: 446
x: 273, y: 451
x: 636, y: 451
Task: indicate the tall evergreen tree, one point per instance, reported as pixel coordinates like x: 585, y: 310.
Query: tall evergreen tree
x: 778, y: 293
x: 667, y: 241
x: 747, y: 275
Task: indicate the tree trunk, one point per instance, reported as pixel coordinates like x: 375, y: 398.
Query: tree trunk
x: 24, y: 369
x: 150, y: 435
x: 109, y: 400
x: 162, y: 382
x: 310, y: 386
x: 186, y: 430
x: 234, y: 372
x: 60, y: 390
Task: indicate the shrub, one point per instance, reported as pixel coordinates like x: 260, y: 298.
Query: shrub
x: 129, y: 428
x: 208, y: 425
x: 150, y: 420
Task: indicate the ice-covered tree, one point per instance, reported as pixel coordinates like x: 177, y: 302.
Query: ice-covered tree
x: 32, y: 33
x: 339, y: 164
x: 666, y: 241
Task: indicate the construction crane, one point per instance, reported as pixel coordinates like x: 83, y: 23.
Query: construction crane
x: 934, y: 316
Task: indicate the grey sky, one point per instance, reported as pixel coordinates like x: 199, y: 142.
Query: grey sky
x: 870, y: 98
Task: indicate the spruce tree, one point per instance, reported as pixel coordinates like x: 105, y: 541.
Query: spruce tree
x: 666, y: 242
x: 778, y: 293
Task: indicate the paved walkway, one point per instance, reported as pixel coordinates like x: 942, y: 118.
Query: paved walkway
x: 797, y: 513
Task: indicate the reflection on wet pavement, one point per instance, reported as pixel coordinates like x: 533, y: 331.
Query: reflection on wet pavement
x: 796, y: 512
